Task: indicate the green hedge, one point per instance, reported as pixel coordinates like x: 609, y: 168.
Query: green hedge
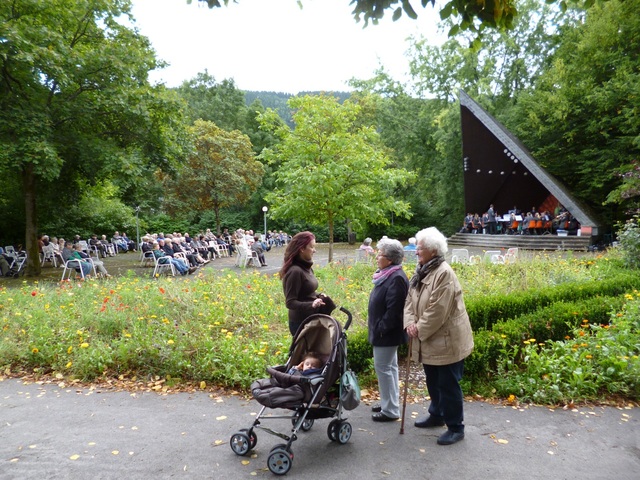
x: 553, y: 322
x: 488, y: 310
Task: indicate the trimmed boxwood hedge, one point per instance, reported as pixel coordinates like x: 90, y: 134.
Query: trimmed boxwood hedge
x: 548, y: 321
x: 554, y: 322
x: 488, y: 310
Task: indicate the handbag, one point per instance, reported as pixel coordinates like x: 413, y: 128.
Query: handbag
x: 349, y: 390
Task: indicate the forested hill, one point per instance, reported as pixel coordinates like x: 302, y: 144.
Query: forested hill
x: 278, y: 100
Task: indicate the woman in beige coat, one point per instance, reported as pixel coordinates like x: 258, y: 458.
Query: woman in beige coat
x: 436, y: 319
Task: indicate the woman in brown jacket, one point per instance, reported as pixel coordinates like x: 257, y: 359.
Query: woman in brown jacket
x: 436, y: 319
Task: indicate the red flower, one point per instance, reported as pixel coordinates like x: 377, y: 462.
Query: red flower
x: 161, y: 290
x: 34, y: 293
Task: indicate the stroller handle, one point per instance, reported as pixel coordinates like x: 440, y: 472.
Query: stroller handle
x: 349, y: 317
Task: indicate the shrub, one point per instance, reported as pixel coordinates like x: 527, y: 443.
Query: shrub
x: 629, y: 238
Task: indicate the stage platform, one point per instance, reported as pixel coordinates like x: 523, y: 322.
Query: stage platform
x: 526, y: 242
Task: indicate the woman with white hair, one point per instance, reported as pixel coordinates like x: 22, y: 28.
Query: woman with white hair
x: 386, y: 328
x: 436, y: 319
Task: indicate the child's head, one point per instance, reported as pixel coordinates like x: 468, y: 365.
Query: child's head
x: 311, y: 360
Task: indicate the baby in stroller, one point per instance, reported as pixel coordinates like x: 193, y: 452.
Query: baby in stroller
x: 308, y: 385
x: 283, y: 389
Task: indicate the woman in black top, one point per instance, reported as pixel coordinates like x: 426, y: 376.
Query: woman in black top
x: 299, y: 283
x: 386, y: 327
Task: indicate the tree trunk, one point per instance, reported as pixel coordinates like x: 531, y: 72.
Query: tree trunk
x: 31, y: 225
x: 330, y: 238
x: 216, y: 211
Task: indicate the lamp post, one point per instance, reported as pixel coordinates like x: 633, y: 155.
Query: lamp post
x: 264, y: 211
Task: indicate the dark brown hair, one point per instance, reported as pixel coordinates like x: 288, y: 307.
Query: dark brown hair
x: 298, y: 242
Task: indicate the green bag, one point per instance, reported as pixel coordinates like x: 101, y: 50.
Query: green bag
x: 349, y: 390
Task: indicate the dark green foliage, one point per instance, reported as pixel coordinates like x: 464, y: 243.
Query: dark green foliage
x: 553, y: 322
x: 486, y: 311
x: 360, y: 352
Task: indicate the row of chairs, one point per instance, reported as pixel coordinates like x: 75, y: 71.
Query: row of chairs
x: 246, y: 256
x: 17, y: 263
x: 461, y: 255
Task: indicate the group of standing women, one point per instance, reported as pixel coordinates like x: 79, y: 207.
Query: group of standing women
x: 428, y: 309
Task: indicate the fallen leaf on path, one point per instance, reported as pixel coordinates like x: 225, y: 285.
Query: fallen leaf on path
x: 221, y: 417
x: 245, y: 462
x: 115, y: 452
x: 74, y: 457
x: 218, y: 442
x: 503, y: 441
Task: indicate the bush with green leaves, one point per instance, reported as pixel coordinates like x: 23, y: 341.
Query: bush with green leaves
x: 598, y: 361
x: 629, y: 239
x: 225, y: 327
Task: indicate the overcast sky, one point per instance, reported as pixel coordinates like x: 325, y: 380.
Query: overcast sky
x: 273, y: 45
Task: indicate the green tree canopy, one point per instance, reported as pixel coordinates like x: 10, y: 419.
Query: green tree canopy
x: 221, y: 172
x: 471, y: 15
x: 581, y: 120
x: 75, y: 103
x: 333, y: 167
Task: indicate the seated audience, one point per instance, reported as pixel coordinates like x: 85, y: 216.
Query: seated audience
x: 257, y: 246
x: 180, y: 266
x: 97, y: 244
x: 97, y: 263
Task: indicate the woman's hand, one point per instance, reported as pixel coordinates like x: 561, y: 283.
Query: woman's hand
x: 412, y: 331
x: 318, y: 302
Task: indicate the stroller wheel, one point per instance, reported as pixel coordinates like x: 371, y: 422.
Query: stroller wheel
x: 280, y: 460
x: 344, y: 433
x: 253, y: 438
x: 306, y: 425
x: 332, y: 430
x: 240, y: 443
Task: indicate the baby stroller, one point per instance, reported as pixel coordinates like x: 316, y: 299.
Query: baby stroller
x: 318, y: 397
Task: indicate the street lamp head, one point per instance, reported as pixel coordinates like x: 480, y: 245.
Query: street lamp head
x: 264, y: 209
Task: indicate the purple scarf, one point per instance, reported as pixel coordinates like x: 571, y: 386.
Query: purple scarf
x: 381, y: 275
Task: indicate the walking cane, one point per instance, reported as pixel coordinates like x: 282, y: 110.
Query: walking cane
x: 406, y: 387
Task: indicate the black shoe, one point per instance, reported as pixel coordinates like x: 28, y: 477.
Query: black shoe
x: 192, y: 269
x: 381, y: 417
x: 376, y: 408
x: 449, y: 437
x: 430, y: 422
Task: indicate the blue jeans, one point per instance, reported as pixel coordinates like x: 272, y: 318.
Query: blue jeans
x: 443, y: 384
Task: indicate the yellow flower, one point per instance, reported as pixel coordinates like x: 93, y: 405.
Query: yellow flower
x: 84, y: 345
x: 69, y: 364
x: 34, y: 350
x: 70, y: 349
x: 170, y: 342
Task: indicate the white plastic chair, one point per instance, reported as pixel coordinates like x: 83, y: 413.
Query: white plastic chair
x: 73, y: 266
x: 460, y: 255
x: 493, y: 256
x: 162, y: 265
x: 49, y: 254
x: 362, y: 256
x: 147, y: 258
x: 511, y: 256
x: 241, y: 257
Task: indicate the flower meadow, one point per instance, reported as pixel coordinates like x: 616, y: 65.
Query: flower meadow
x: 223, y: 328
